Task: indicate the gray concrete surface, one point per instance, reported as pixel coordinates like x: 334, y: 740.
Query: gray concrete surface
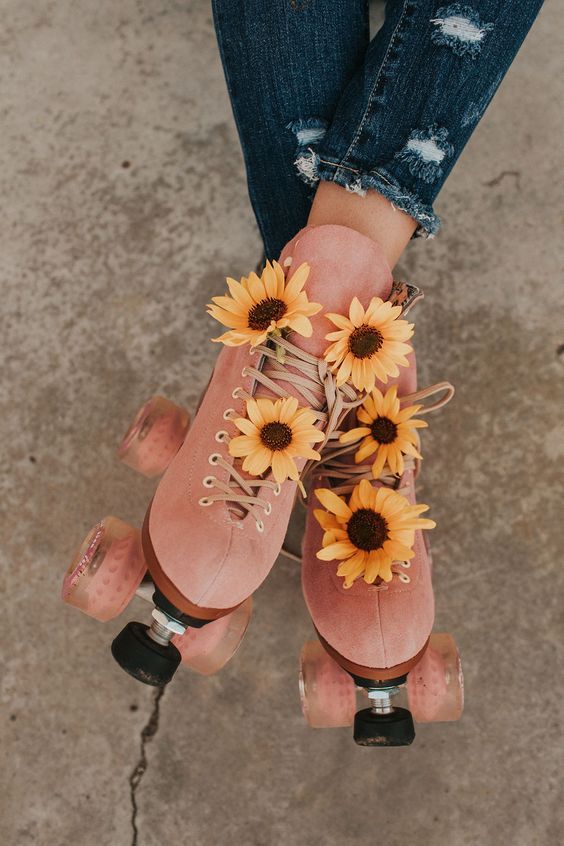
x: 105, y: 273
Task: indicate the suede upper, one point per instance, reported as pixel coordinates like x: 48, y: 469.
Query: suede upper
x: 376, y: 627
x: 213, y: 558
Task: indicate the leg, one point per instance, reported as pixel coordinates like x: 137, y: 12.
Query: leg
x: 372, y: 215
x: 405, y: 117
x: 286, y: 65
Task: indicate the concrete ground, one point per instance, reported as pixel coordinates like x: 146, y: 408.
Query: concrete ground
x: 106, y: 267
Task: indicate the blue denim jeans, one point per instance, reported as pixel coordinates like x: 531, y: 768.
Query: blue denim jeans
x: 315, y: 99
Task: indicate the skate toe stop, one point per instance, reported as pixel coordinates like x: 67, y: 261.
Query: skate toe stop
x: 143, y: 658
x: 393, y: 729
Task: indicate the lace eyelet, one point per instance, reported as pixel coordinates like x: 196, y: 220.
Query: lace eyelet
x: 405, y: 564
x: 244, y: 373
x: 260, y: 526
x: 403, y: 577
x: 234, y: 394
x: 214, y: 458
x: 205, y: 502
x: 208, y: 481
x: 277, y: 490
x: 268, y: 509
x: 227, y: 412
x: 221, y: 435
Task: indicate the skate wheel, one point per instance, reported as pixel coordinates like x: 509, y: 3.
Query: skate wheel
x: 327, y: 692
x: 154, y: 437
x: 435, y: 688
x: 208, y: 649
x: 106, y: 571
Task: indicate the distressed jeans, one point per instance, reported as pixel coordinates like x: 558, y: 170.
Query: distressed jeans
x: 315, y: 99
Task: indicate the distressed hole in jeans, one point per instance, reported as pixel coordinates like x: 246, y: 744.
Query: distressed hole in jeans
x: 424, y: 152
x: 309, y: 132
x: 460, y: 28
x: 475, y: 110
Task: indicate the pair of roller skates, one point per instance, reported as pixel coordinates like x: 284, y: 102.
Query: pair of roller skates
x: 291, y: 405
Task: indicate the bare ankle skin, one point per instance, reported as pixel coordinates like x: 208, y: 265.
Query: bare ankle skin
x: 372, y: 215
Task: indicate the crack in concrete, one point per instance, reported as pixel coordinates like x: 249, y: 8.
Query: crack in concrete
x: 496, y: 180
x: 147, y: 733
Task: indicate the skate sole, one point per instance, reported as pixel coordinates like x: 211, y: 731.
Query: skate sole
x: 378, y: 674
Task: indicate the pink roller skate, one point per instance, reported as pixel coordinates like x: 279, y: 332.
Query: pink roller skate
x: 366, y: 572
x: 218, y: 518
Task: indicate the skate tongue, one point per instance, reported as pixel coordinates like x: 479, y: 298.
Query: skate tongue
x: 343, y: 264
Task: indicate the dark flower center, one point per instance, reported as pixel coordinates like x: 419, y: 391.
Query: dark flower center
x: 384, y: 430
x: 276, y: 435
x: 364, y: 341
x: 367, y: 529
x: 262, y: 314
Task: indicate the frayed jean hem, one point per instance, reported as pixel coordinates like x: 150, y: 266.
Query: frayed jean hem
x: 312, y: 168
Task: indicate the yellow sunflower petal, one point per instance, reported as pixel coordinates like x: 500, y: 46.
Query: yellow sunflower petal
x: 340, y: 320
x: 254, y: 413
x: 297, y: 282
x: 283, y: 467
x: 353, y: 435
x: 301, y: 325
x: 379, y: 463
x: 257, y: 461
x: 336, y: 551
x: 247, y: 427
x: 333, y: 503
x: 241, y: 445
x: 325, y: 519
x: 356, y: 312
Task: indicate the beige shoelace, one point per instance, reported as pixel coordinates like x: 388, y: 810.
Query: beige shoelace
x: 347, y: 474
x: 315, y: 382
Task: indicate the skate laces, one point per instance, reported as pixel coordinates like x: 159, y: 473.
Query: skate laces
x: 261, y: 311
x: 312, y: 378
x: 356, y: 481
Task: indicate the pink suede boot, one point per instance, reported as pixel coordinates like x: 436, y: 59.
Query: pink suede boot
x: 219, y: 515
x: 366, y: 576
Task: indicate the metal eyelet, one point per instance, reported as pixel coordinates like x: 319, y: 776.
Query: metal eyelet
x: 268, y: 509
x: 208, y: 481
x: 214, y: 458
x: 277, y: 490
x: 221, y: 435
x: 260, y: 526
x: 227, y: 412
x: 406, y: 564
x: 234, y: 394
x: 204, y: 502
x: 403, y: 577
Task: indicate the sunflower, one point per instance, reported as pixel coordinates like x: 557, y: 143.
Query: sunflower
x: 274, y: 433
x: 387, y: 431
x: 258, y: 307
x: 369, y: 344
x: 376, y: 528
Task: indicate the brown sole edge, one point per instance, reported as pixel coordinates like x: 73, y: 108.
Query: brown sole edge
x: 378, y: 674
x: 164, y: 584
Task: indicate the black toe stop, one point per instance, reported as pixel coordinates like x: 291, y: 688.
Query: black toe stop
x: 143, y: 658
x: 395, y: 729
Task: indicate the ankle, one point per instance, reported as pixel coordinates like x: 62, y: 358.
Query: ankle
x: 372, y: 215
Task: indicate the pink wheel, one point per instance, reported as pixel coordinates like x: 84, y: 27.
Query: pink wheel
x: 208, y: 649
x: 154, y: 437
x: 327, y: 692
x: 106, y: 571
x: 435, y: 688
